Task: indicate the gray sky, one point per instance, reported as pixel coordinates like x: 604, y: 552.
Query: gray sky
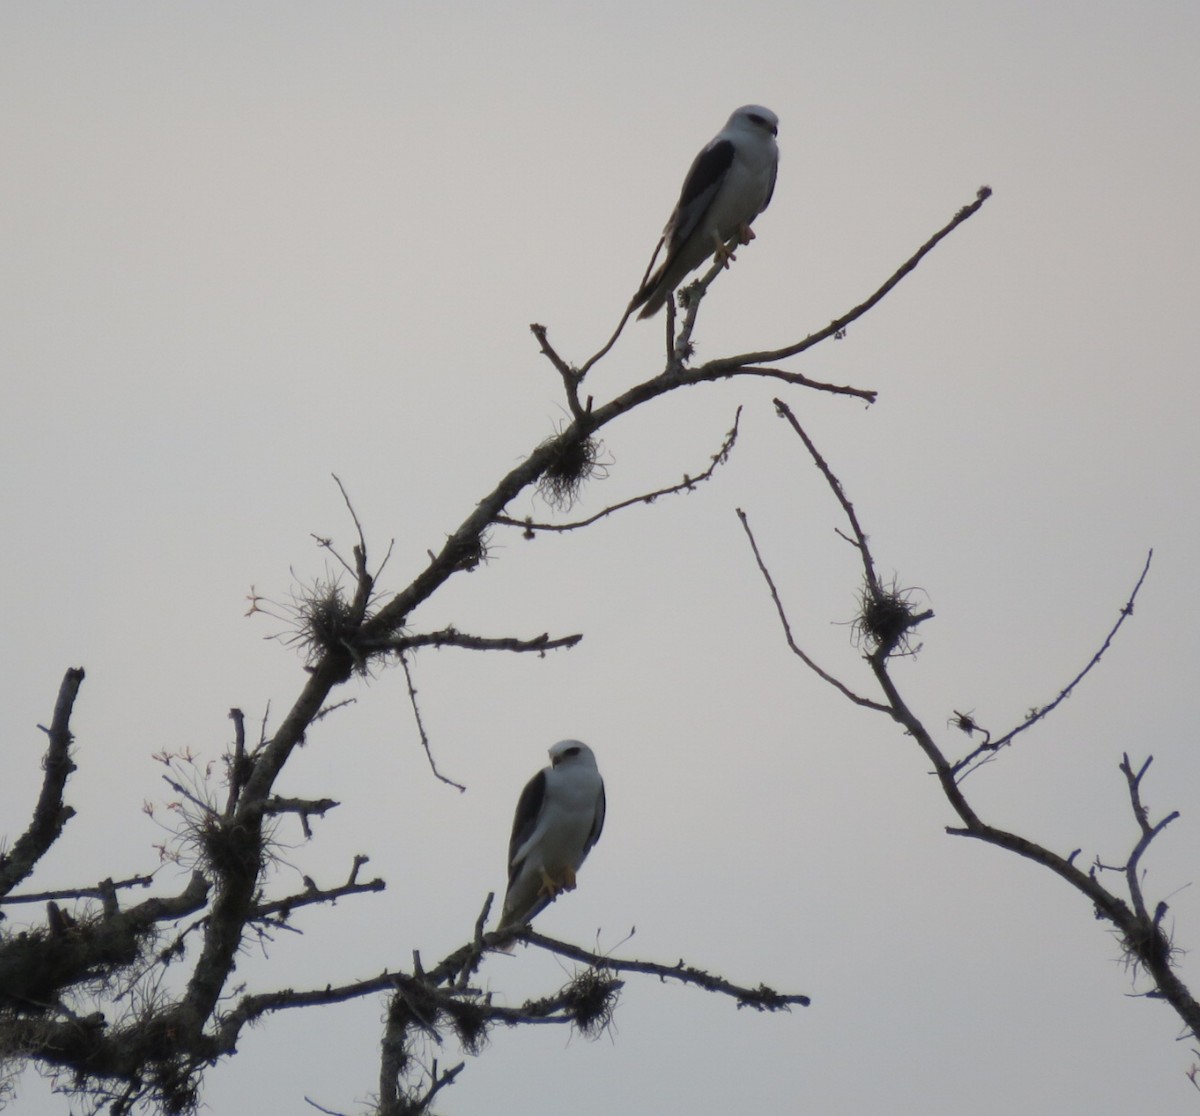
x: 246, y: 249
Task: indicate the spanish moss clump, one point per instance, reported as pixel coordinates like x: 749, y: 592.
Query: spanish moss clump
x: 885, y: 619
x: 469, y: 1022
x: 575, y: 461
x: 171, y: 1080
x: 39, y: 965
x: 687, y: 296
x: 231, y: 851
x: 1147, y: 947
x: 468, y: 553
x: 325, y: 619
x: 591, y: 1000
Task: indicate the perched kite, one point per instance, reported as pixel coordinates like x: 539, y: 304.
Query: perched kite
x: 730, y: 184
x: 559, y: 818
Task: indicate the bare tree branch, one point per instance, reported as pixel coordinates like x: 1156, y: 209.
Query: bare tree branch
x: 1149, y: 831
x: 761, y: 998
x: 50, y: 814
x: 158, y: 1053
x: 314, y: 894
x: 35, y: 968
x: 1045, y: 710
x: 1141, y: 933
x: 97, y: 892
x: 467, y: 539
x: 835, y: 486
x: 451, y: 637
x: 838, y: 326
x: 412, y: 697
x: 571, y: 377
x: 795, y: 648
x: 686, y: 485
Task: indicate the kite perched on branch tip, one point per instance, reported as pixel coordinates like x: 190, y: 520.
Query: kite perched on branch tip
x: 729, y: 184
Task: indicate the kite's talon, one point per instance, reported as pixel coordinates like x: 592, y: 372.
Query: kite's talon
x: 552, y: 888
x: 745, y: 233
x: 724, y: 254
x: 549, y: 888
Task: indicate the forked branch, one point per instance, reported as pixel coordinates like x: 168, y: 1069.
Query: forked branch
x: 1141, y: 932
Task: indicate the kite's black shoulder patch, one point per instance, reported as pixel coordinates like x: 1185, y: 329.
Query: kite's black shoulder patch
x: 598, y: 821
x: 529, y: 806
x: 707, y: 170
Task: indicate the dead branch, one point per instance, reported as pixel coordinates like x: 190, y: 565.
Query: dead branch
x: 1065, y: 692
x: 1148, y: 831
x: 313, y: 894
x: 412, y: 697
x: 468, y: 538
x: 160, y: 1053
x: 303, y: 808
x: 835, y: 486
x: 451, y: 637
x: 838, y: 325
x: 96, y: 892
x: 571, y: 377
x: 795, y: 648
x: 37, y: 967
x: 686, y: 485
x: 1141, y: 933
x: 50, y: 814
x: 988, y: 748
x: 761, y: 998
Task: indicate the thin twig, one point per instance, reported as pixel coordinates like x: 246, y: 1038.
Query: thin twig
x: 479, y: 944
x: 322, y: 1108
x: 597, y: 356
x: 1149, y: 831
x: 796, y: 649
x: 412, y: 696
x: 1039, y: 714
x: 838, y: 325
x: 97, y: 892
x: 194, y: 799
x: 313, y: 895
x: 439, y: 1082
x: 835, y: 485
x: 679, y: 345
x: 686, y: 485
x: 762, y: 998
x: 571, y: 377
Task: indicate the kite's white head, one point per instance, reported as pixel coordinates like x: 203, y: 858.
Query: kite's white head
x: 572, y: 752
x: 754, y: 117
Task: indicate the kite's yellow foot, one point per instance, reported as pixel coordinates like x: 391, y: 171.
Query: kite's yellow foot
x: 724, y: 254
x: 551, y: 887
x: 745, y: 234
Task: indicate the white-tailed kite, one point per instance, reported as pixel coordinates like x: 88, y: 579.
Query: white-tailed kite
x: 559, y: 818
x: 730, y: 183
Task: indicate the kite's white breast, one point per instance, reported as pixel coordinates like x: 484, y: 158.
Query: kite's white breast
x: 744, y: 192
x: 568, y: 814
